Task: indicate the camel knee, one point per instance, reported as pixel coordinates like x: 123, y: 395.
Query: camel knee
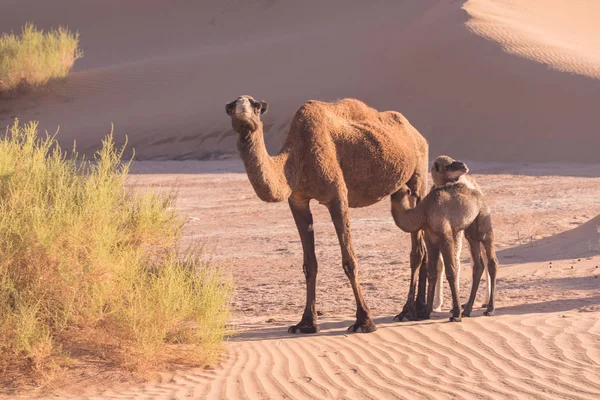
x: 451, y: 273
x: 417, y: 254
x: 310, y: 271
x: 350, y: 269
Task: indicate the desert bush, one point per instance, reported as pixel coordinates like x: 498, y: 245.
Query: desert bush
x: 87, y: 263
x: 35, y: 57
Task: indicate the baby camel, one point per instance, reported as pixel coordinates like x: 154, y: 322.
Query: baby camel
x: 442, y: 177
x: 444, y: 214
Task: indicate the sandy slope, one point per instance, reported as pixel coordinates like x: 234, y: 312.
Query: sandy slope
x: 544, y: 343
x: 542, y: 356
x: 162, y: 74
x: 564, y: 36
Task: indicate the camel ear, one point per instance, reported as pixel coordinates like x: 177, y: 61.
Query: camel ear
x: 229, y: 107
x: 264, y: 106
x: 436, y: 167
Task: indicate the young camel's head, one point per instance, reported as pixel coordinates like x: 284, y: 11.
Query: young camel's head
x: 245, y: 113
x: 446, y: 170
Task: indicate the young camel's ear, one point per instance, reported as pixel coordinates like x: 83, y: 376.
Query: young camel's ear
x: 264, y: 106
x: 229, y: 107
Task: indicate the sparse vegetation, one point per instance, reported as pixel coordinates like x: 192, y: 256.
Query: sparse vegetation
x: 526, y: 229
x: 35, y: 57
x: 88, y: 266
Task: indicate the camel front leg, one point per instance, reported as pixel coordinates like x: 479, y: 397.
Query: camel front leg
x: 338, y: 208
x: 433, y: 272
x: 448, y: 248
x: 304, y: 222
x: 438, y: 300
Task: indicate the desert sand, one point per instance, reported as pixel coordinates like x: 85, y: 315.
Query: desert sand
x: 510, y: 86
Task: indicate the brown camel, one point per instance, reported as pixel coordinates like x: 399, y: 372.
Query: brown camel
x: 444, y: 213
x: 441, y: 176
x: 343, y: 154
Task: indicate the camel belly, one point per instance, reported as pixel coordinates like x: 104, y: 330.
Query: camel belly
x: 373, y: 186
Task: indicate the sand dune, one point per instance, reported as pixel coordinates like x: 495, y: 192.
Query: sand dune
x: 502, y: 83
x: 543, y: 344
x: 162, y: 74
x: 418, y: 361
x: 566, y: 38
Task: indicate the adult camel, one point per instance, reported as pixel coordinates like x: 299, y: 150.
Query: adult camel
x: 343, y: 154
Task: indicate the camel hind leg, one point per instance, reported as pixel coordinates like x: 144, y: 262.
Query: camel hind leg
x: 475, y: 247
x: 485, y: 234
x: 418, y: 259
x: 492, y: 266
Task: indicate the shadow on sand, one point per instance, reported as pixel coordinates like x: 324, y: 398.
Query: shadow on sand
x: 329, y: 328
x: 578, y: 242
x: 550, y: 306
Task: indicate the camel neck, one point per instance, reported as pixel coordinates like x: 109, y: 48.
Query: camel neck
x: 266, y: 174
x: 407, y: 217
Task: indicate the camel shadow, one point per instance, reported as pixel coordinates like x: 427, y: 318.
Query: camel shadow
x: 578, y: 242
x: 552, y: 306
x: 329, y: 328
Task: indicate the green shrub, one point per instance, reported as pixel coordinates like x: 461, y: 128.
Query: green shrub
x: 88, y: 264
x: 35, y: 57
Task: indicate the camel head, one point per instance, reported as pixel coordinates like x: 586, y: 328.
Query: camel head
x: 245, y: 113
x: 445, y: 169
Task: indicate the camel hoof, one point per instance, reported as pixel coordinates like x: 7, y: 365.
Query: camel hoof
x: 455, y: 319
x: 423, y: 315
x: 484, y: 305
x: 466, y: 314
x: 304, y: 328
x: 409, y: 315
x: 488, y: 313
x: 400, y: 317
x: 365, y: 327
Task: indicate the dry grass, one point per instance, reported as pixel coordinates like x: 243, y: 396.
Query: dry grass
x: 34, y: 57
x: 87, y: 264
x: 526, y: 228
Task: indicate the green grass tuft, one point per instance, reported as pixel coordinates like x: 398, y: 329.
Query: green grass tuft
x: 89, y: 266
x: 35, y: 57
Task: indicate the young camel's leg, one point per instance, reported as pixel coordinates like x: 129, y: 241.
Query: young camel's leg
x: 488, y: 243
x: 488, y: 286
x: 418, y: 273
x: 448, y: 248
x: 433, y: 272
x: 478, y: 268
x: 418, y: 253
x: 338, y: 208
x: 304, y: 222
x: 438, y: 299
